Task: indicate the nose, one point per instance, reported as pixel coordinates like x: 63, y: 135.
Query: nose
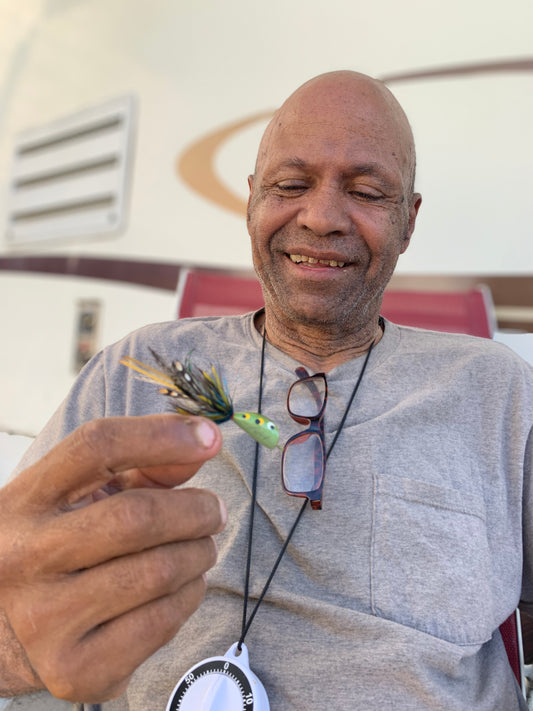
x: 324, y: 212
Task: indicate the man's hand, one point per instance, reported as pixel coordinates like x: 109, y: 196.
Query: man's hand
x: 91, y: 584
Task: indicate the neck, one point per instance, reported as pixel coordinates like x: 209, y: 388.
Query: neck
x: 318, y: 348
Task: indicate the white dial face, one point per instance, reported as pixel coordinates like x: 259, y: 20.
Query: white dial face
x: 215, y: 685
x: 220, y: 684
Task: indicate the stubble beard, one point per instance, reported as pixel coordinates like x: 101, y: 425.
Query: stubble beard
x: 337, y: 313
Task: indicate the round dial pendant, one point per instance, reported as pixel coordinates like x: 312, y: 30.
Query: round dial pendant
x: 220, y: 684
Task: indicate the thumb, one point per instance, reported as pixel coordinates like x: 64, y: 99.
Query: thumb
x: 99, y: 450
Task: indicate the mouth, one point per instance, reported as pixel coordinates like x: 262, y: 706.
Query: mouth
x: 305, y: 259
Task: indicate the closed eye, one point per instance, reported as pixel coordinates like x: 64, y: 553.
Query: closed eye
x: 366, y: 195
x: 288, y: 187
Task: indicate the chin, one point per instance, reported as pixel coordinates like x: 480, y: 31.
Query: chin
x: 317, y: 315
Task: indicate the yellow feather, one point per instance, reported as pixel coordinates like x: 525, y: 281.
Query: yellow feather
x: 151, y: 373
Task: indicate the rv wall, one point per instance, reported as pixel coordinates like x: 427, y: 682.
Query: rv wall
x: 203, y: 78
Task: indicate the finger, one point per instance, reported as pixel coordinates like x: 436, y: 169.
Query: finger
x: 137, y: 580
x: 94, y: 453
x: 157, y: 477
x: 155, y: 624
x: 96, y: 596
x: 119, y: 525
x: 98, y: 667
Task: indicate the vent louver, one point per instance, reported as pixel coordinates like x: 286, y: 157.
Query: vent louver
x: 70, y: 178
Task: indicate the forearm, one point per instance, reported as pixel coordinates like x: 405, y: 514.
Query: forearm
x: 17, y: 675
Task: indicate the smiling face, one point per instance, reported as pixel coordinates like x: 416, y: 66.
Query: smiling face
x: 331, y: 202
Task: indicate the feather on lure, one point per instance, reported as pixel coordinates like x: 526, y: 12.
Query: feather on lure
x: 196, y: 392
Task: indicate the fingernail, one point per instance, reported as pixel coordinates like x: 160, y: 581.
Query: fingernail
x: 223, y: 513
x: 205, y: 433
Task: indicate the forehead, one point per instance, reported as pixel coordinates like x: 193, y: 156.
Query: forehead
x: 328, y: 144
x: 336, y: 128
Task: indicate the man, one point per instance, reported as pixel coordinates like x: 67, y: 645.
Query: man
x: 392, y: 594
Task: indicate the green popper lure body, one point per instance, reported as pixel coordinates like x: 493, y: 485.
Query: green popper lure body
x: 196, y: 392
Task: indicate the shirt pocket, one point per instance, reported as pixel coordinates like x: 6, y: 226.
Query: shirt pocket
x: 430, y: 562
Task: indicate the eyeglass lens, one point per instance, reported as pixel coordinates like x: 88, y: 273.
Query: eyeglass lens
x: 304, y: 463
x: 306, y: 397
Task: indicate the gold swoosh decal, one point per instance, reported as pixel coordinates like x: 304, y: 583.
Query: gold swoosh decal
x: 197, y: 165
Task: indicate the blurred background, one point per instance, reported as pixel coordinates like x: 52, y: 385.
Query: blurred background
x: 128, y: 129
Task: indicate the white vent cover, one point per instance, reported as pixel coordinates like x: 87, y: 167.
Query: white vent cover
x: 70, y: 178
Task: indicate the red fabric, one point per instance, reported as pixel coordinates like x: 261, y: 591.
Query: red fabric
x: 509, y: 633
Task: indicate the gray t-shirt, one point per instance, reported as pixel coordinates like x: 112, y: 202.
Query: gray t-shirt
x: 390, y: 597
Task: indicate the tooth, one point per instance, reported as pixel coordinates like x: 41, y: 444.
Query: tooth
x: 297, y: 258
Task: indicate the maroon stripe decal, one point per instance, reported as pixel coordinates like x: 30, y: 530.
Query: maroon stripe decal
x: 502, y: 66
x: 160, y: 275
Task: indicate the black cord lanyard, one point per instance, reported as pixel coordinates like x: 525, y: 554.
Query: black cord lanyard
x: 246, y: 623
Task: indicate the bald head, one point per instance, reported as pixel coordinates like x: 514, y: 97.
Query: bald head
x: 355, y: 101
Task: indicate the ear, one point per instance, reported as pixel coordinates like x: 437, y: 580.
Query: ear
x: 250, y: 193
x: 416, y: 201
x: 251, y: 183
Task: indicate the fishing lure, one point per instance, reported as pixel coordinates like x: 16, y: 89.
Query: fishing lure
x: 197, y: 392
